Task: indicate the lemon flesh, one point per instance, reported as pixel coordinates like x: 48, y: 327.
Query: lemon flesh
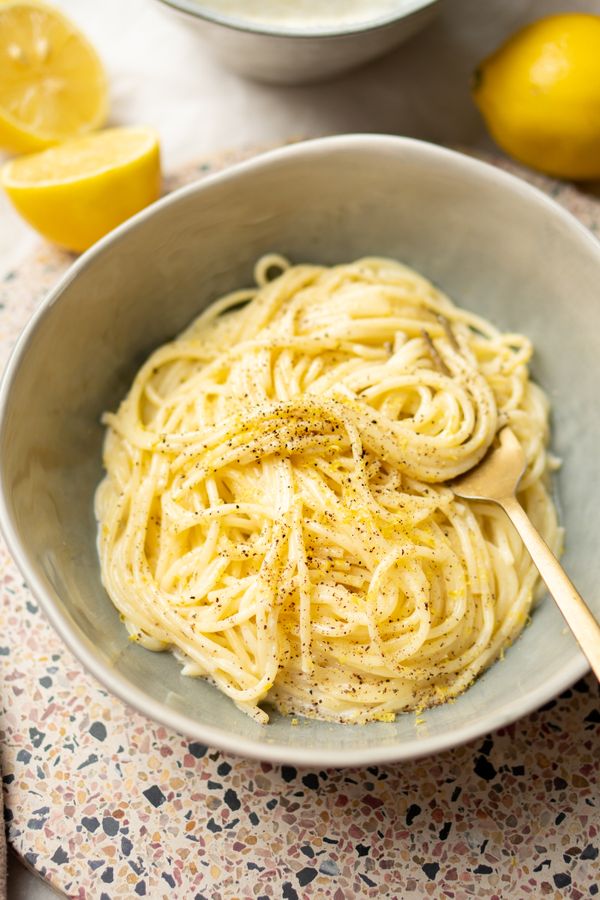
x: 76, y: 193
x: 52, y: 83
x: 539, y: 94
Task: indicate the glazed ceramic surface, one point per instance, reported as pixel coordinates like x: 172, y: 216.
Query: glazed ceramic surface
x: 496, y: 245
x: 289, y: 54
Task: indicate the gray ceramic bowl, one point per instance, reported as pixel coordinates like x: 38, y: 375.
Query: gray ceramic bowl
x: 492, y: 242
x: 288, y: 55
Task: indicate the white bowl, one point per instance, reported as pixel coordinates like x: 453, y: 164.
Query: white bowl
x: 493, y: 243
x: 287, y: 54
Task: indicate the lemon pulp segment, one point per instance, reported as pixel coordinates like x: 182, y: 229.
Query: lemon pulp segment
x: 52, y: 83
x: 77, y: 192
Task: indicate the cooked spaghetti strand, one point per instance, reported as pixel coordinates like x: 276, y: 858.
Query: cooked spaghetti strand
x: 275, y: 508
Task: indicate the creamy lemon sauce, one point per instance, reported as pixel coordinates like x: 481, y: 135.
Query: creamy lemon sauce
x: 277, y: 509
x: 303, y: 14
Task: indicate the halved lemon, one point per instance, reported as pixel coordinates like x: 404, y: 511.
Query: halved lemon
x: 52, y: 83
x: 77, y: 192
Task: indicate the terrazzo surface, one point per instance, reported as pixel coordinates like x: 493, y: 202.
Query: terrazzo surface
x: 104, y: 804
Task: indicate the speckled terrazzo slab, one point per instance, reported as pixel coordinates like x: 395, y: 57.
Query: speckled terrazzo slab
x: 105, y: 804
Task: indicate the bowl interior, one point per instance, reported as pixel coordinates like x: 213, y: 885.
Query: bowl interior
x: 491, y: 242
x: 310, y: 19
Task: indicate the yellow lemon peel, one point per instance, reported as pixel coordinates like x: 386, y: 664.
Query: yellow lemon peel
x: 539, y: 94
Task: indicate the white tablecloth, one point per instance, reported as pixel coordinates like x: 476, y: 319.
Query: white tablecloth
x: 161, y: 75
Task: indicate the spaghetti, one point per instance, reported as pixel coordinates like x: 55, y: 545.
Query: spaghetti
x: 276, y: 509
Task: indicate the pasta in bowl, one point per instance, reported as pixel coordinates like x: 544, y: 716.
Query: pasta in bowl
x: 500, y: 249
x: 276, y: 508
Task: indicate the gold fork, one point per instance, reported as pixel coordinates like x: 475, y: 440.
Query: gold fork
x: 496, y: 479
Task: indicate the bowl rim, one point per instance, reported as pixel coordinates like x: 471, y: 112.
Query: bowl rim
x: 84, y: 649
x: 196, y: 10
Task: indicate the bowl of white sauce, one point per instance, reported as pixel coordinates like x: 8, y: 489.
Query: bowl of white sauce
x: 303, y: 41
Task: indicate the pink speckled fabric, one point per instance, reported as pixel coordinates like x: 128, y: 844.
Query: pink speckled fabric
x: 105, y: 804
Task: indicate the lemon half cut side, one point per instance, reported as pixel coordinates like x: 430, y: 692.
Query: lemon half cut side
x: 77, y: 192
x: 52, y: 82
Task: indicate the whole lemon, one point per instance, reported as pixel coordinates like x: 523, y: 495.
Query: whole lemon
x: 539, y: 94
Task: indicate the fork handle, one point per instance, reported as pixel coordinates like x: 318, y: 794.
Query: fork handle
x: 577, y: 614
